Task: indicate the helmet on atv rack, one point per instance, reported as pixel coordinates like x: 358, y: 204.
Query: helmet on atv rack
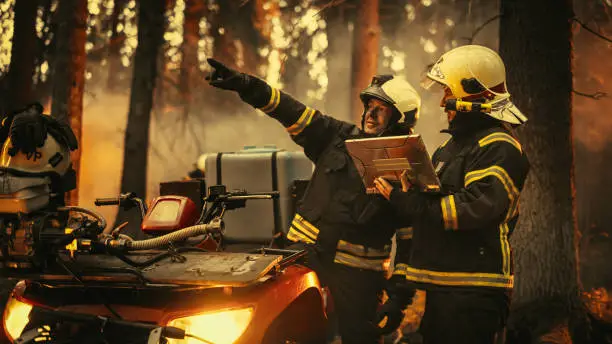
x: 398, y: 93
x: 37, y: 145
x: 475, y: 73
x: 51, y: 158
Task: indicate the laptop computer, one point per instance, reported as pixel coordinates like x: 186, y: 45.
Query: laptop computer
x: 389, y: 157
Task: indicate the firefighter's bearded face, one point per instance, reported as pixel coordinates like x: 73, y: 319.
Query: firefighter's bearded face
x: 377, y: 116
x: 448, y: 94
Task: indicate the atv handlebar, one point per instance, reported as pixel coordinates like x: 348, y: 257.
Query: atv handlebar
x: 126, y: 200
x: 262, y: 195
x: 106, y: 201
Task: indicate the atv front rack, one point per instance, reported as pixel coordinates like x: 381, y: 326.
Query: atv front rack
x: 198, y: 269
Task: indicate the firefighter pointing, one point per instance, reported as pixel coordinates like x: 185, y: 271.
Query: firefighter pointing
x: 461, y: 252
x: 346, y: 231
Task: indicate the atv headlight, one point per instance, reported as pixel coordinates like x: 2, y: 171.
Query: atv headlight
x: 223, y: 327
x: 16, y: 317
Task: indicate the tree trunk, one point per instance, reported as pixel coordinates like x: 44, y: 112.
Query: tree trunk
x: 150, y: 36
x: 69, y: 73
x: 114, y: 49
x: 164, y: 74
x: 536, y: 45
x: 366, y: 38
x: 23, y: 55
x: 338, y: 71
x: 194, y: 11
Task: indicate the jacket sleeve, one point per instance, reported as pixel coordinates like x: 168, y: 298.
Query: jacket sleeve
x: 307, y: 126
x: 495, y: 174
x: 403, y: 247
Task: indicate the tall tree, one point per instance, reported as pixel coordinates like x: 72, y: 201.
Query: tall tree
x: 536, y: 45
x: 235, y: 35
x: 163, y: 94
x: 150, y: 36
x: 338, y: 71
x: 114, y: 48
x: 23, y: 55
x: 69, y: 72
x: 194, y: 11
x: 366, y: 42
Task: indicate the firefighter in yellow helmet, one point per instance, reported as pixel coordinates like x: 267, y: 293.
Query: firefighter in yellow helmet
x: 346, y: 232
x: 460, y: 251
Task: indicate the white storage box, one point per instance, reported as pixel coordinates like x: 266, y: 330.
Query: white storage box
x: 258, y: 169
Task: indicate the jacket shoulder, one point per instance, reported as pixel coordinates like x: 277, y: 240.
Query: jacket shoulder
x: 497, y: 137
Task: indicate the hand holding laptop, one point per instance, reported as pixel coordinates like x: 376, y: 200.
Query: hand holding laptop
x: 399, y: 160
x: 384, y: 188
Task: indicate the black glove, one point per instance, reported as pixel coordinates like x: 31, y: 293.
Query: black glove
x: 393, y: 310
x: 400, y: 296
x: 226, y: 78
x: 28, y: 130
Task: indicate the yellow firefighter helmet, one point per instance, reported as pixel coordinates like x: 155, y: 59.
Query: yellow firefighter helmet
x: 476, y: 73
x: 396, y: 92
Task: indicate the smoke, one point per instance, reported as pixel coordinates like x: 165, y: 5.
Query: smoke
x: 104, y: 122
x: 175, y: 142
x: 592, y: 73
x: 228, y: 125
x: 592, y: 126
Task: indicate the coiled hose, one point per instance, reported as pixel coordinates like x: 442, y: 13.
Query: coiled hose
x: 148, y: 244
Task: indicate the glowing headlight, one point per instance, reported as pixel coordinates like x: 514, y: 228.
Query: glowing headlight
x: 16, y: 317
x: 218, y: 327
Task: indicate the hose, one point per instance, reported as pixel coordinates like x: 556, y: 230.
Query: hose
x: 157, y: 258
x: 148, y: 244
x: 89, y: 212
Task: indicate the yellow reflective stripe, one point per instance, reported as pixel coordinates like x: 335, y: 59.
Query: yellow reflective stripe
x: 445, y: 142
x: 495, y: 137
x: 302, y: 122
x: 513, y: 210
x: 453, y: 212
x: 459, y: 278
x: 362, y: 251
x: 505, y: 248
x: 400, y: 269
x: 404, y: 233
x: 513, y: 197
x: 361, y: 263
x: 304, y: 229
x: 504, y: 178
x: 449, y: 212
x: 296, y: 235
x: 274, y: 101
x: 495, y: 171
x: 302, y: 223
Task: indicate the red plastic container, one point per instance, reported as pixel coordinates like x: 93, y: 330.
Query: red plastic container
x: 169, y: 213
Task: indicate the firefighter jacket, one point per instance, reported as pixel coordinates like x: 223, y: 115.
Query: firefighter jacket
x: 345, y: 225
x: 460, y: 237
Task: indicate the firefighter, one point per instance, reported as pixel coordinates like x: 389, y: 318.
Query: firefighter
x: 461, y: 253
x: 347, y: 232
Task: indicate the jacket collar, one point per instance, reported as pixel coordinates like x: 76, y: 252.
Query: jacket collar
x: 466, y: 124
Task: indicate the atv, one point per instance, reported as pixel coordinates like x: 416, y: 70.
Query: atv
x: 82, y: 281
